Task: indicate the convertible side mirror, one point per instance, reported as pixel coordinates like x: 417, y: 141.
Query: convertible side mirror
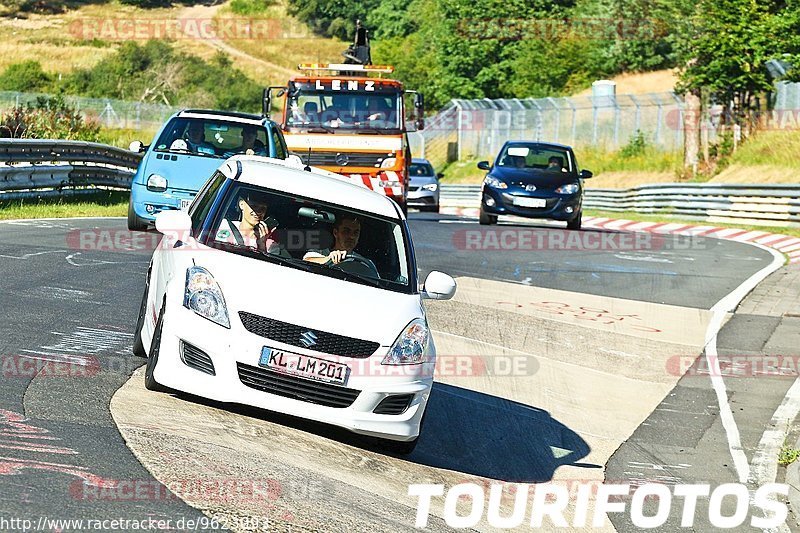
x: 438, y: 286
x: 137, y: 147
x: 586, y: 174
x: 484, y: 165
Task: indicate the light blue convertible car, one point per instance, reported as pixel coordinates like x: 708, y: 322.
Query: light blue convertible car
x: 187, y: 150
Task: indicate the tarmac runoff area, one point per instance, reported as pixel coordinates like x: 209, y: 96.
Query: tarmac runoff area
x: 592, y: 369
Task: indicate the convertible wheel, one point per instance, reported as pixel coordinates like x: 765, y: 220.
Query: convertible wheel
x: 575, y: 223
x: 135, y: 222
x: 486, y: 219
x: 150, y: 382
x: 138, y: 346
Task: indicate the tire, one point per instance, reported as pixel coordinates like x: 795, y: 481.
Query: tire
x: 135, y: 222
x: 575, y: 223
x: 138, y: 346
x: 434, y: 209
x: 485, y: 219
x: 150, y: 382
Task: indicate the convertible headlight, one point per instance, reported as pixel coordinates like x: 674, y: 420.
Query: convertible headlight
x: 204, y: 297
x: 389, y: 162
x: 157, y: 183
x: 496, y: 183
x: 409, y: 348
x: 430, y: 187
x: 568, y: 188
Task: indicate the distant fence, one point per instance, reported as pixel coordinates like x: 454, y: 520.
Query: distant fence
x: 108, y: 112
x: 476, y: 129
x: 55, y: 167
x: 772, y: 204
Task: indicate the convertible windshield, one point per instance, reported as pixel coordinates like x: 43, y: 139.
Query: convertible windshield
x: 535, y: 156
x: 324, y: 239
x: 212, y: 138
x: 328, y: 110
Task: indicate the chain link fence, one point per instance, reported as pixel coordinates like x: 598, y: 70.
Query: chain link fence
x: 476, y: 129
x: 108, y: 112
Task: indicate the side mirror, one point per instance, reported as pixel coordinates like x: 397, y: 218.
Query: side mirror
x: 420, y: 124
x: 438, y: 286
x: 484, y: 165
x: 439, y: 175
x: 136, y: 147
x: 295, y: 160
x: 586, y: 174
x: 174, y: 225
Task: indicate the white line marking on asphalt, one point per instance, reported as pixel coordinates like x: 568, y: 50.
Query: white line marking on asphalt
x: 718, y: 313
x: 26, y: 256
x: 765, y: 465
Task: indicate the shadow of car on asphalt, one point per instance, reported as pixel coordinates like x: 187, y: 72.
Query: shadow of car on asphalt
x: 493, y: 437
x: 465, y: 431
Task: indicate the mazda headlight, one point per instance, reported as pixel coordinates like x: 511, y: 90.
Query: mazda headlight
x: 568, y: 188
x: 430, y: 187
x: 495, y: 183
x: 204, y: 297
x: 156, y: 183
x: 389, y: 162
x: 410, y: 346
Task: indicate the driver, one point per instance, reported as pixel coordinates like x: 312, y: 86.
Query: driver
x: 346, y: 231
x: 196, y: 138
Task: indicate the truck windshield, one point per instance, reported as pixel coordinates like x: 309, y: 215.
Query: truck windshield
x: 331, y: 110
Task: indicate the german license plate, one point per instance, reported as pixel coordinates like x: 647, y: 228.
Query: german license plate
x: 304, y: 366
x: 530, y: 202
x: 185, y: 203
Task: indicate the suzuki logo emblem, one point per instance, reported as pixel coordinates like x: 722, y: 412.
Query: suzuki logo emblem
x: 342, y: 159
x: 530, y: 188
x: 308, y: 339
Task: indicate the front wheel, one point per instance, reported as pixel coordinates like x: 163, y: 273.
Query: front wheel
x: 486, y: 219
x: 398, y: 447
x: 150, y: 382
x: 138, y: 345
x: 575, y: 223
x: 135, y: 222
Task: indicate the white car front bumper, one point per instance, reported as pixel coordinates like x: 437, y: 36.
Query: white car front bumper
x: 229, y: 349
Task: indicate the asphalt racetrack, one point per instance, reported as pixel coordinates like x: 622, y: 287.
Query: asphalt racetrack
x: 600, y: 335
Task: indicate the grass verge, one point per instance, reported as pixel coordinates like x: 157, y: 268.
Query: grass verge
x: 100, y: 204
x: 630, y: 215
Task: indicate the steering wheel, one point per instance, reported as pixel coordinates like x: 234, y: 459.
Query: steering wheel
x: 358, y: 264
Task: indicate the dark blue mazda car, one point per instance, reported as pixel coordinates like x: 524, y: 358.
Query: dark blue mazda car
x: 533, y: 180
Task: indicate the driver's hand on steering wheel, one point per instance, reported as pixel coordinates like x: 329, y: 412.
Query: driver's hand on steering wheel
x: 337, y: 256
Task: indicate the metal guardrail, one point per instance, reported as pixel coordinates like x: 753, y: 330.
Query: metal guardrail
x: 734, y: 202
x: 33, y: 166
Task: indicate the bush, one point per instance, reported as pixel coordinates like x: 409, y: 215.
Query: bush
x: 637, y: 145
x: 49, y: 118
x: 250, y: 7
x: 27, y: 76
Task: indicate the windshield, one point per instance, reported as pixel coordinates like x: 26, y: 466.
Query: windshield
x: 323, y: 239
x: 420, y: 169
x: 535, y: 156
x: 212, y: 138
x: 329, y: 110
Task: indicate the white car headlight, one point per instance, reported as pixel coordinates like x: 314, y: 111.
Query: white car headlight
x: 157, y: 183
x: 494, y: 182
x: 203, y: 296
x: 431, y: 187
x: 568, y: 188
x: 389, y: 162
x: 410, y: 346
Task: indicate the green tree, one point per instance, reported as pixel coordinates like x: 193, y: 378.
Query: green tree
x: 27, y: 76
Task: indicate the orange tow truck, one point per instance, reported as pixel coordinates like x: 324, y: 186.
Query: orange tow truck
x: 348, y: 119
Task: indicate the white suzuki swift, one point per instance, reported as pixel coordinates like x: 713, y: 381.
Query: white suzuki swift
x: 294, y: 291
